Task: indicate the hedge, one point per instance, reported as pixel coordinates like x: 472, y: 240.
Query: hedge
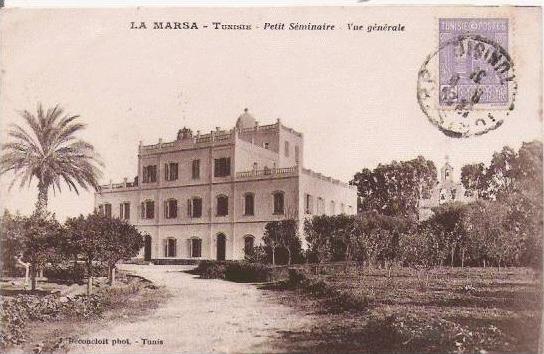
x: 241, y: 271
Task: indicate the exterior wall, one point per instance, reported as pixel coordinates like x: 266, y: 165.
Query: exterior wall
x: 247, y: 154
x: 318, y: 186
x: 261, y: 135
x: 295, y: 141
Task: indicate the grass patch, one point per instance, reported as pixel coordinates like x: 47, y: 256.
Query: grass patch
x: 450, y: 310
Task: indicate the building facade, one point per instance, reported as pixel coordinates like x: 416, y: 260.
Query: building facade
x: 209, y: 196
x: 447, y: 190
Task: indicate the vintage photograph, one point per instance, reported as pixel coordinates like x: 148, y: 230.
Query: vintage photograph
x: 271, y: 179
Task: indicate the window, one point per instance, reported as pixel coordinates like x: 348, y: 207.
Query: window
x: 296, y: 154
x: 248, y: 244
x: 171, y: 171
x: 320, y: 206
x: 101, y: 209
x: 194, y: 207
x: 266, y: 146
x: 150, y: 174
x: 107, y: 210
x: 196, y: 247
x: 453, y: 193
x: 342, y: 208
x: 124, y: 211
x: 333, y: 208
x: 171, y: 209
x: 249, y: 204
x: 278, y: 203
x: 286, y: 149
x: 147, y: 209
x: 222, y: 205
x: 308, y: 204
x: 170, y: 247
x: 196, y: 169
x: 222, y: 167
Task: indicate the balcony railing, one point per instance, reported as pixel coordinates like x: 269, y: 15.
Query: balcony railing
x: 268, y: 172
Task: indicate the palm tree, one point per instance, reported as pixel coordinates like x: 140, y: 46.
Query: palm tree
x: 49, y: 151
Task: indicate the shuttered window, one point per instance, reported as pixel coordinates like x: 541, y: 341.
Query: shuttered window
x: 222, y: 167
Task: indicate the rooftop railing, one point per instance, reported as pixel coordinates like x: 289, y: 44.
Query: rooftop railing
x: 268, y: 172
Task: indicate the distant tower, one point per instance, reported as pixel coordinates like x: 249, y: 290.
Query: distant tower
x: 446, y: 172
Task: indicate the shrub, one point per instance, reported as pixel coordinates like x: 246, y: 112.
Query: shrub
x: 16, y: 311
x: 240, y: 271
x: 66, y: 271
x: 210, y: 270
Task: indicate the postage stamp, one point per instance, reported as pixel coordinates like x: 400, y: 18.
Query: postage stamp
x: 467, y: 87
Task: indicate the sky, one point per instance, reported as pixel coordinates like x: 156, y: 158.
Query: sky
x: 352, y: 95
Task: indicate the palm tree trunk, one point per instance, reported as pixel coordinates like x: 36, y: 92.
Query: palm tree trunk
x: 41, y: 203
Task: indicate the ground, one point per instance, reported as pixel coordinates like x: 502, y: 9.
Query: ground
x: 203, y: 315
x: 452, y: 310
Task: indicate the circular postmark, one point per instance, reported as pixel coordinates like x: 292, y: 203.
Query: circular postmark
x: 467, y: 87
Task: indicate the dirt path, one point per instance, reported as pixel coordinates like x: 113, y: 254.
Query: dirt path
x: 202, y: 316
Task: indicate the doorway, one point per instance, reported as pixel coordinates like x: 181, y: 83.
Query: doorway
x: 221, y: 247
x: 147, y: 248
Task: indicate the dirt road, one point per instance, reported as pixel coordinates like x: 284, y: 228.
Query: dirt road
x: 202, y: 316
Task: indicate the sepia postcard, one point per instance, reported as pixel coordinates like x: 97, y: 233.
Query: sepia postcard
x: 271, y: 179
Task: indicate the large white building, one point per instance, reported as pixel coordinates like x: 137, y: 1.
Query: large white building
x: 209, y: 196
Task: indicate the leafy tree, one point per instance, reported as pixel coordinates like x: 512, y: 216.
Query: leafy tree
x: 379, y: 237
x: 122, y: 241
x: 87, y: 233
x: 98, y: 238
x: 282, y: 235
x: 10, y: 241
x: 473, y: 179
x: 448, y: 222
x: 49, y: 151
x: 395, y: 189
x: 40, y: 235
x: 317, y: 231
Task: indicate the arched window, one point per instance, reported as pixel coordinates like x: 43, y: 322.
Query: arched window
x: 222, y: 205
x: 249, y: 204
x: 170, y: 247
x: 333, y: 208
x: 171, y: 209
x: 147, y: 209
x: 196, y: 247
x: 249, y: 242
x: 279, y: 207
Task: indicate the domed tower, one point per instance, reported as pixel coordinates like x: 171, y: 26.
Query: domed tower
x: 245, y: 120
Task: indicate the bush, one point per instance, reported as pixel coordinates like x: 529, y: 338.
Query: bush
x: 66, y: 271
x: 241, y: 271
x: 16, y: 311
x: 211, y: 270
